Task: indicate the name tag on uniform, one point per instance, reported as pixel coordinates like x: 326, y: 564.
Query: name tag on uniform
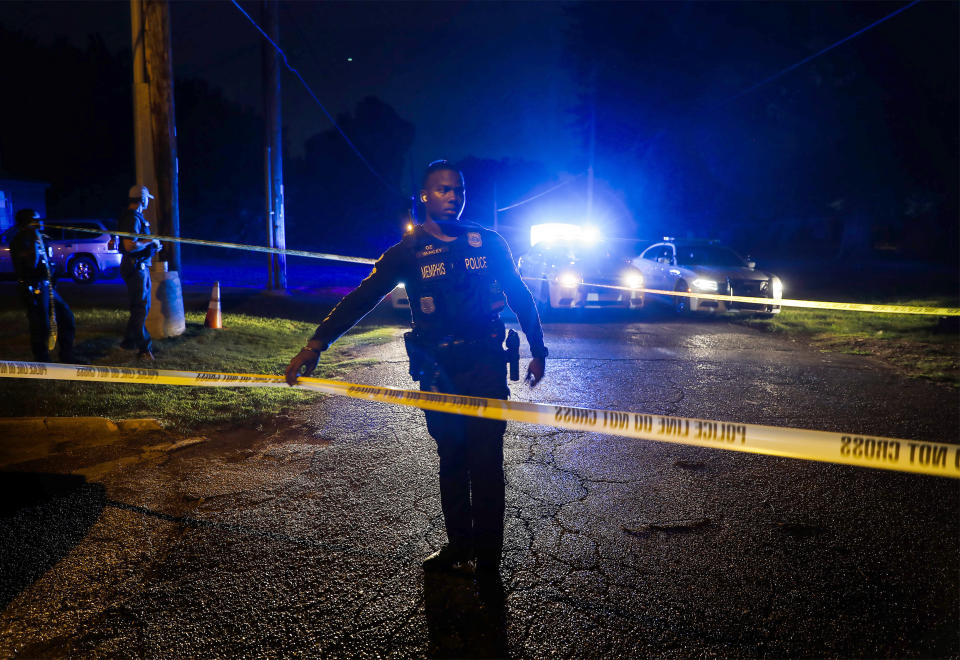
x: 432, y: 270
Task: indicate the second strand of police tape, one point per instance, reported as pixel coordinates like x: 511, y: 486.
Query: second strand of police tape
x: 932, y: 458
x: 780, y: 302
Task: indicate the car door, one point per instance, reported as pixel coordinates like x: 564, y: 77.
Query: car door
x: 651, y: 263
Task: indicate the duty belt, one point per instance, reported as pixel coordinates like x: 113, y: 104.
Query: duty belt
x: 424, y: 353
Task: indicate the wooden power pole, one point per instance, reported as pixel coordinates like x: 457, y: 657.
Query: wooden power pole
x: 156, y: 154
x: 273, y: 148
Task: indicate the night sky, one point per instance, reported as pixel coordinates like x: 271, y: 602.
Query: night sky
x: 863, y: 138
x: 482, y: 79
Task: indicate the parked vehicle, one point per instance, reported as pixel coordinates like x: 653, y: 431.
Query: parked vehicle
x: 708, y: 267
x: 84, y: 256
x: 578, y: 275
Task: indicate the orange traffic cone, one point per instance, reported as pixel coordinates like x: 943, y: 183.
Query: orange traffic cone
x: 213, y: 309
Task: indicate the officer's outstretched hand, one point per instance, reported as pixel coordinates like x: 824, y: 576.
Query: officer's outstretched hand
x: 535, y: 371
x: 302, y: 364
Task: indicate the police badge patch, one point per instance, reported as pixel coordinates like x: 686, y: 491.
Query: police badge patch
x: 427, y: 306
x: 473, y: 238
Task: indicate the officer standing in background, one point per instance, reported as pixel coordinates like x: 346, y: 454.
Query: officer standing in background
x: 135, y: 269
x: 35, y: 278
x: 458, y: 276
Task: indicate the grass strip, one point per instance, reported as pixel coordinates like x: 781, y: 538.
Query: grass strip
x: 918, y: 346
x: 246, y: 344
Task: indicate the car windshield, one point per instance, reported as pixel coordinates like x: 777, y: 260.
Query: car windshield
x: 707, y: 255
x: 598, y: 254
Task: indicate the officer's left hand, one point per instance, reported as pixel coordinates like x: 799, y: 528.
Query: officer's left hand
x: 535, y: 371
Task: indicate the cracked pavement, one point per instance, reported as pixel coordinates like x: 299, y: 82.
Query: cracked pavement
x: 303, y: 536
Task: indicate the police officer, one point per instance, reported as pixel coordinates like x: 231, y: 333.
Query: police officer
x: 35, y: 278
x: 135, y: 269
x: 458, y: 276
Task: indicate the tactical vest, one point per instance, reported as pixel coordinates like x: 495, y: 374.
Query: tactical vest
x: 456, y: 290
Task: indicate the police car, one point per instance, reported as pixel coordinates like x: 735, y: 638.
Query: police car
x: 708, y: 267
x: 570, y: 267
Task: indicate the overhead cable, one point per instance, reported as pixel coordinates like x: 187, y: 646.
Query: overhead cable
x: 349, y: 142
x: 818, y: 53
x: 541, y: 194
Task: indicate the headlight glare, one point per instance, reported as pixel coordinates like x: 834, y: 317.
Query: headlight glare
x: 569, y: 279
x: 776, y: 287
x: 633, y: 280
x: 704, y: 284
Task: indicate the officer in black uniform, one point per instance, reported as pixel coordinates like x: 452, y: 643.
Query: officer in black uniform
x: 35, y: 278
x: 458, y: 277
x: 135, y: 269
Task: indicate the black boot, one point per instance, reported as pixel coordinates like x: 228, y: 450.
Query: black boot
x: 449, y: 557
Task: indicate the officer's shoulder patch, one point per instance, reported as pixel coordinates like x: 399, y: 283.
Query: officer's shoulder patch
x: 473, y: 239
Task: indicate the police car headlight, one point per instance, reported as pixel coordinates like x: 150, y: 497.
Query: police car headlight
x: 633, y: 280
x: 705, y: 285
x: 776, y: 287
x: 569, y: 279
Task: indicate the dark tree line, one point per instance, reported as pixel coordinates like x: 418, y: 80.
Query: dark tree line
x: 66, y: 119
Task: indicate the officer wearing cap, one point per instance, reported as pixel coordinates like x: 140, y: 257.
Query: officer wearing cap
x: 49, y: 317
x: 458, y: 277
x: 135, y: 269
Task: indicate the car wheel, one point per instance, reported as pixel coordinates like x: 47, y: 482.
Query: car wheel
x: 681, y: 304
x: 83, y: 270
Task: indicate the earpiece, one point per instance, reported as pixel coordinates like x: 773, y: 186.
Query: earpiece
x: 423, y: 198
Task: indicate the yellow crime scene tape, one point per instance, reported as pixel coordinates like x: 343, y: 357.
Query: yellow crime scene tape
x: 785, y: 302
x: 931, y: 458
x: 220, y: 244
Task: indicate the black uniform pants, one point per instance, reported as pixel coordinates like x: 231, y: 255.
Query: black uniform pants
x: 137, y: 279
x: 36, y: 298
x: 472, y: 486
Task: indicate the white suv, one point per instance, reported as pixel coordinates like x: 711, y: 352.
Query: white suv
x: 84, y: 256
x: 707, y: 267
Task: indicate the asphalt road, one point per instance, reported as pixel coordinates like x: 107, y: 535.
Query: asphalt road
x: 303, y: 536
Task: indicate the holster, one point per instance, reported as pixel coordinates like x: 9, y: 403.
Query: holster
x: 512, y: 354
x: 417, y: 353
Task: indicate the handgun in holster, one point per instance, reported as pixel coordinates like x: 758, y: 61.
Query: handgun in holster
x: 416, y: 354
x: 512, y: 354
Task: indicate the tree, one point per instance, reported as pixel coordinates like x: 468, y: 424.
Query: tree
x: 333, y: 199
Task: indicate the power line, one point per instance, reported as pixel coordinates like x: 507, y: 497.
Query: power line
x: 349, y: 142
x: 709, y: 106
x: 549, y: 190
x: 818, y: 53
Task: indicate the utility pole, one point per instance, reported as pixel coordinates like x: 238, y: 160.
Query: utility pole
x: 495, y: 228
x: 156, y: 155
x: 273, y: 148
x: 591, y: 156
